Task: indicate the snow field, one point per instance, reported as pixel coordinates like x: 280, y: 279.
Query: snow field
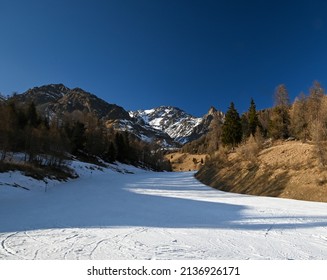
x: 107, y: 214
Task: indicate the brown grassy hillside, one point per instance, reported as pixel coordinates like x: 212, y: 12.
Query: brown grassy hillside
x: 185, y: 161
x: 286, y: 169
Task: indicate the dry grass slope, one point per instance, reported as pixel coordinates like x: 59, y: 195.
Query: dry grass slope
x: 286, y: 169
x: 185, y: 161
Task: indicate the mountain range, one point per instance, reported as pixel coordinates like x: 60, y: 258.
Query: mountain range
x: 179, y: 125
x: 165, y: 125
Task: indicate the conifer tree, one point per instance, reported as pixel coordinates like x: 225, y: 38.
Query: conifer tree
x: 232, y: 127
x: 32, y: 116
x: 111, y: 154
x: 316, y: 95
x: 122, y: 147
x: 280, y: 119
x: 282, y: 99
x: 300, y: 118
x: 253, y: 118
x: 77, y: 137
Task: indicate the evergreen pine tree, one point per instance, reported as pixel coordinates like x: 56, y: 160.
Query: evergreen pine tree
x: 232, y: 127
x: 32, y: 116
x: 111, y: 154
x: 122, y: 144
x: 253, y: 118
x: 78, y: 137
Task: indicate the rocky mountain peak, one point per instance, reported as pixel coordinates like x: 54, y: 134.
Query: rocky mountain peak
x: 169, y: 125
x: 169, y: 119
x: 57, y: 99
x: 53, y: 91
x: 44, y: 94
x: 212, y: 111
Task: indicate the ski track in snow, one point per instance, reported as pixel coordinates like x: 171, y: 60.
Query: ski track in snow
x: 148, y: 215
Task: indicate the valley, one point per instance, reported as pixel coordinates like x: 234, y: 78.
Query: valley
x: 138, y: 214
x: 112, y: 204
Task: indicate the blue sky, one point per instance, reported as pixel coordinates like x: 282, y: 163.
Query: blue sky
x: 145, y: 53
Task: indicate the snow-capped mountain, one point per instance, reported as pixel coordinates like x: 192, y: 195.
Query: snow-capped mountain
x: 167, y: 126
x: 172, y: 120
x: 58, y: 100
x: 142, y: 131
x: 179, y: 125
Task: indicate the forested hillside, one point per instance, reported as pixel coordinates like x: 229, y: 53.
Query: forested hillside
x: 30, y: 140
x: 241, y: 162
x: 304, y: 120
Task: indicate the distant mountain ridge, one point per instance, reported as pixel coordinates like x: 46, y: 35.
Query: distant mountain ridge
x: 179, y: 125
x: 172, y: 120
x: 165, y: 125
x: 57, y: 99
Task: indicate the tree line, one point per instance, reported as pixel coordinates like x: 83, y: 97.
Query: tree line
x: 50, y: 141
x: 305, y: 119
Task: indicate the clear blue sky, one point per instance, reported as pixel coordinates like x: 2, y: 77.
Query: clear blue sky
x: 145, y: 53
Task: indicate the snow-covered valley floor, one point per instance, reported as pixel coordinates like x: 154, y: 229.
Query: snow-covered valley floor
x: 148, y: 215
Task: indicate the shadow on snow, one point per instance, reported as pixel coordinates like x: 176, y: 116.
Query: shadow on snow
x: 170, y: 200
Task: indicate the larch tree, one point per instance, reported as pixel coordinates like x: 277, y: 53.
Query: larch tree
x: 280, y: 118
x: 299, y: 119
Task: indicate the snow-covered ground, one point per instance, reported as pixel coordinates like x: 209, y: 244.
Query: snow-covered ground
x: 107, y: 214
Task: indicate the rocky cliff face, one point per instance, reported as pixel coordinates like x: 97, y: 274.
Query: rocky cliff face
x: 57, y: 99
x: 179, y: 125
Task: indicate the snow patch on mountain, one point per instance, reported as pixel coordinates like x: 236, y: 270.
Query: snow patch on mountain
x: 165, y: 125
x: 175, y: 122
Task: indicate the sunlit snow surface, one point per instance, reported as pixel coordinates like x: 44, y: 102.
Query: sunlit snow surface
x: 146, y: 215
